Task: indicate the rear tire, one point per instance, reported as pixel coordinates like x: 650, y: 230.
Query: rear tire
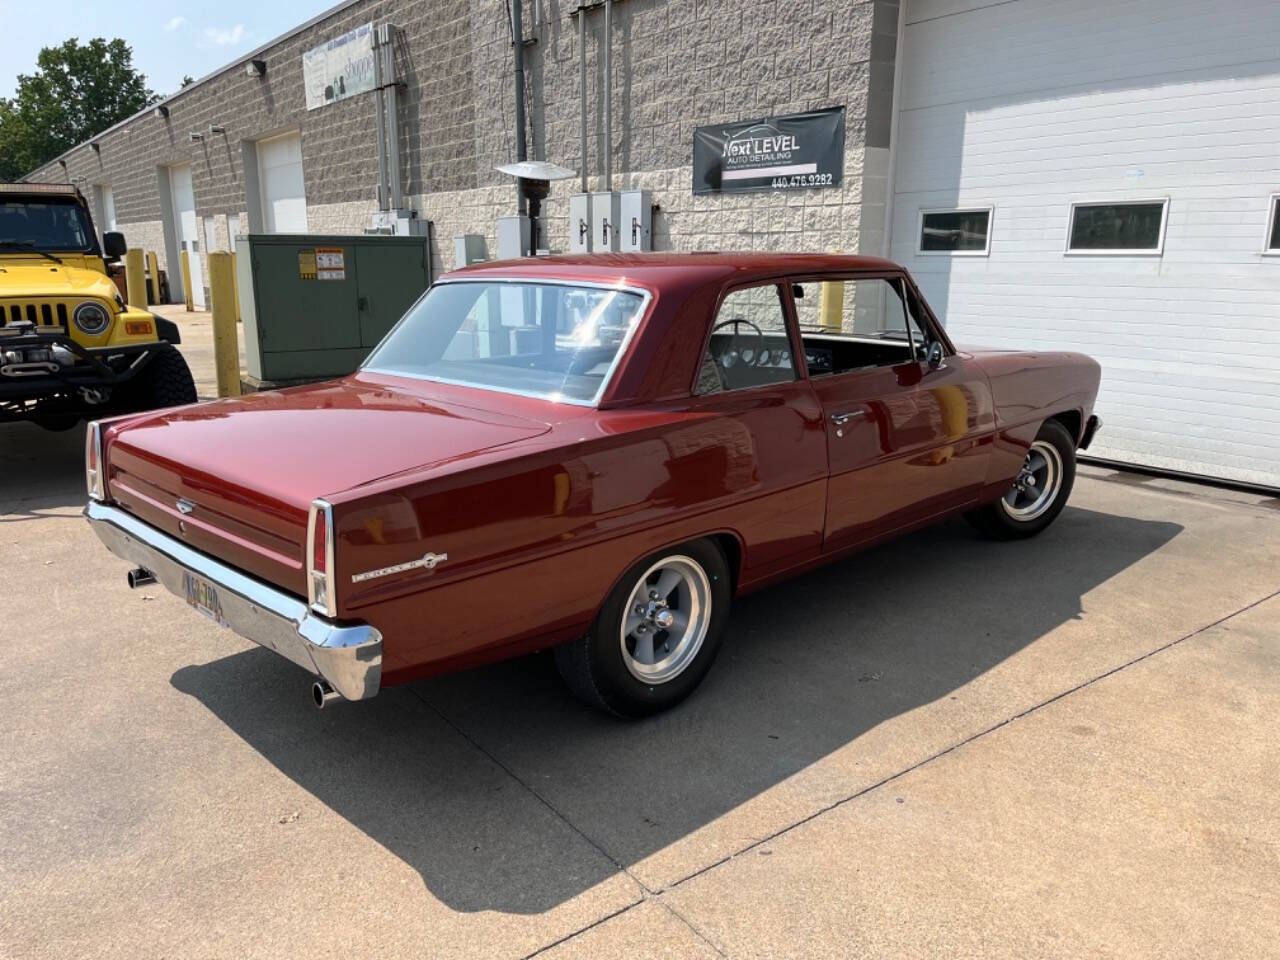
x: 1039, y: 492
x: 165, y: 381
x: 656, y: 635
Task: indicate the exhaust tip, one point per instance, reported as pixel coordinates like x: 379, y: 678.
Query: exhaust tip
x: 322, y: 693
x: 139, y: 577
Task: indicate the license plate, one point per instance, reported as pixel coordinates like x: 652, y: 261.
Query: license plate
x: 202, y: 595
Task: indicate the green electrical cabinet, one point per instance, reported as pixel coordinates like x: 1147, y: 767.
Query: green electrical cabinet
x: 314, y: 306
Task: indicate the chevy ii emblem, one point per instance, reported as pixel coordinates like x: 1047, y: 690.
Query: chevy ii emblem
x: 185, y: 507
x: 428, y: 561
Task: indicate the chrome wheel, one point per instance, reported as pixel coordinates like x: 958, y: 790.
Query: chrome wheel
x: 666, y: 619
x: 1037, y: 484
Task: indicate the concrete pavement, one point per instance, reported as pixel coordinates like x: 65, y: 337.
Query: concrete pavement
x: 945, y: 746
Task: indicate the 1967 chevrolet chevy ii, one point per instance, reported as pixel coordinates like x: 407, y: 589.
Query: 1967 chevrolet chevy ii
x: 594, y: 454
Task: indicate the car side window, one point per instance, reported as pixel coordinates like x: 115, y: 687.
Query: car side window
x: 749, y: 346
x: 859, y: 324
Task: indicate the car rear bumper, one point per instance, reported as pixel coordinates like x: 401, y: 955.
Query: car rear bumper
x: 1090, y: 428
x: 348, y: 657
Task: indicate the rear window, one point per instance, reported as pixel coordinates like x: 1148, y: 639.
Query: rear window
x: 549, y: 340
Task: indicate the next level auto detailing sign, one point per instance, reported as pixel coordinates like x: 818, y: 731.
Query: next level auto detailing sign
x: 340, y: 68
x: 777, y: 153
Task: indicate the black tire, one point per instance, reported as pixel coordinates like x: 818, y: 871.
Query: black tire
x: 595, y: 666
x: 57, y: 422
x: 1001, y: 521
x: 165, y: 381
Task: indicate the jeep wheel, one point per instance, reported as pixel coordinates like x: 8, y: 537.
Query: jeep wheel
x: 165, y: 381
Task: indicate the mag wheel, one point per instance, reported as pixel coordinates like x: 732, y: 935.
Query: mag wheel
x: 1039, y: 491
x: 656, y: 635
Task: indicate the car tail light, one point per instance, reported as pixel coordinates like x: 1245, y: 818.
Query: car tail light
x: 320, y: 579
x: 94, y: 471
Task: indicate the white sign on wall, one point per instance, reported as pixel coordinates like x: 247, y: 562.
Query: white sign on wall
x: 340, y: 68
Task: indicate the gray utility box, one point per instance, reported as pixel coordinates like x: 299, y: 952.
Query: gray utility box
x: 606, y: 213
x: 635, y: 230
x: 580, y: 223
x: 314, y: 306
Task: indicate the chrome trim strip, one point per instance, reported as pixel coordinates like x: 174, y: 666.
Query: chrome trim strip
x: 645, y: 295
x: 349, y: 657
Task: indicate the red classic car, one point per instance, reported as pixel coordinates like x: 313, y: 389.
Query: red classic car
x: 593, y: 454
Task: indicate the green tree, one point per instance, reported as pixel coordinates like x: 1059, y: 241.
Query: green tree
x: 76, y: 91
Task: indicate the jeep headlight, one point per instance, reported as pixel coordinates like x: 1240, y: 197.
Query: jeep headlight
x: 91, y: 318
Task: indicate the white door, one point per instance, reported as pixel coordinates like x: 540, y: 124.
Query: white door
x: 284, y: 199
x: 1025, y: 108
x: 184, y: 214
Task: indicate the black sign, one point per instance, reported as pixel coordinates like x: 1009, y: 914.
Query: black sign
x: 801, y: 151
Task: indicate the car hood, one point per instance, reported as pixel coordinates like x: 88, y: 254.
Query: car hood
x: 295, y: 445
x: 25, y: 277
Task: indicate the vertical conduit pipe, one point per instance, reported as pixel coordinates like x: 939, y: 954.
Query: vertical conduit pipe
x: 608, y: 96
x: 517, y: 34
x: 582, y: 88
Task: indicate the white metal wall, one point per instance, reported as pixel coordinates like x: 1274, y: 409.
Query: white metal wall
x: 1029, y: 105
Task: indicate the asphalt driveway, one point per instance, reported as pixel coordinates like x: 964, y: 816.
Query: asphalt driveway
x: 945, y: 746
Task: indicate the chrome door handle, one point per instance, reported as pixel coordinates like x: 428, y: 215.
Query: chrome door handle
x: 840, y: 419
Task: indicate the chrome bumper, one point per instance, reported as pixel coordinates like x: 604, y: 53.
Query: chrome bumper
x: 350, y: 658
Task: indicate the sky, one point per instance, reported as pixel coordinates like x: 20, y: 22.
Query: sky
x: 169, y: 39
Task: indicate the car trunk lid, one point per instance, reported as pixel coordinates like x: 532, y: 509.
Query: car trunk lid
x: 235, y: 478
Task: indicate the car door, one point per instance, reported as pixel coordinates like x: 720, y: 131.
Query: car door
x: 906, y: 440
x: 765, y: 443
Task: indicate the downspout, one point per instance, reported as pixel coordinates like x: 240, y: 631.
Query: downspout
x: 894, y: 106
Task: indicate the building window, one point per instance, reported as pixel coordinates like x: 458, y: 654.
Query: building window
x: 956, y: 232
x: 1127, y: 227
x: 1273, y: 226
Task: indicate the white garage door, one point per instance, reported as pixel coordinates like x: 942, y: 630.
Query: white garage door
x: 284, y: 199
x: 184, y: 212
x: 1027, y: 107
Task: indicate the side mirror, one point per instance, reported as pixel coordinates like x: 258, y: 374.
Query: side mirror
x: 933, y: 355
x: 113, y: 245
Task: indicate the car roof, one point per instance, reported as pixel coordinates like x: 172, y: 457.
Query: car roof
x: 652, y: 269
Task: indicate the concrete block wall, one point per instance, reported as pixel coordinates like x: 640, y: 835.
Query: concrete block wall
x: 676, y: 64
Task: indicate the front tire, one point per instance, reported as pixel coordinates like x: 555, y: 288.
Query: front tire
x: 656, y: 635
x: 1039, y: 492
x: 165, y: 381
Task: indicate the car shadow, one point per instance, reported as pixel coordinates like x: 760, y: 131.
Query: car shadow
x: 808, y: 667
x: 39, y: 470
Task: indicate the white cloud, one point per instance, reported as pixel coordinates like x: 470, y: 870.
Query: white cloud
x: 174, y: 24
x: 225, y: 36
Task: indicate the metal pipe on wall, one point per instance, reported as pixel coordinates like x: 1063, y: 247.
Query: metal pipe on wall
x: 608, y: 96
x: 380, y: 129
x: 582, y: 88
x: 517, y: 35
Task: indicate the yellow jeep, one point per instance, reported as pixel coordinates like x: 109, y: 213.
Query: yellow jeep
x: 70, y: 348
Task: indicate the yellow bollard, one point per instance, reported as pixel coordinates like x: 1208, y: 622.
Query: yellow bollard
x: 226, y: 346
x: 153, y: 267
x: 831, y: 309
x: 186, y: 280
x: 235, y: 276
x: 135, y: 280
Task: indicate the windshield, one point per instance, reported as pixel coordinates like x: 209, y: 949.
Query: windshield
x: 554, y: 341
x: 44, y: 225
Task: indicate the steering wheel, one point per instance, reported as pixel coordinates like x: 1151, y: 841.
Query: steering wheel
x: 736, y: 322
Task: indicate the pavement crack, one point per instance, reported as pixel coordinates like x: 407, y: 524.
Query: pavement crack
x: 1035, y: 708
x: 581, y: 930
